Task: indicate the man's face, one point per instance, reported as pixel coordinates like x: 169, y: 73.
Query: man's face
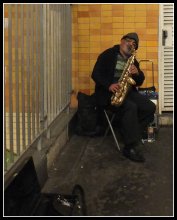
x: 127, y: 45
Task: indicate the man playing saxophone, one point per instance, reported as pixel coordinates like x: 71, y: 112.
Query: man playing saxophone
x: 136, y: 111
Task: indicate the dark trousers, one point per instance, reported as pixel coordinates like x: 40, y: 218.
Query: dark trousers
x: 136, y: 112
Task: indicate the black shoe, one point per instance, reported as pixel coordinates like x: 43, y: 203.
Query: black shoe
x: 133, y: 154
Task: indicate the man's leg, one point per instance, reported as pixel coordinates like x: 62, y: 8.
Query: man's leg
x: 129, y: 122
x: 146, y: 109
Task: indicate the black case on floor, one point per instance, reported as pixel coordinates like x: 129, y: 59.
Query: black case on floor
x: 23, y: 196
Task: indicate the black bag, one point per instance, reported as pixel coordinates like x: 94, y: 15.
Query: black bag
x: 87, y: 115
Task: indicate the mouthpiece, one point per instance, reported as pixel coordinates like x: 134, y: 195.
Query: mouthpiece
x: 131, y: 49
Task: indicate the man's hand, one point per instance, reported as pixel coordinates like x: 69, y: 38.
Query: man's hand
x: 133, y: 69
x: 114, y: 87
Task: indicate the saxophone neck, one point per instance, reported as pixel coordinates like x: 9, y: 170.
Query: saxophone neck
x: 132, y: 54
x: 133, y: 51
x: 132, y: 57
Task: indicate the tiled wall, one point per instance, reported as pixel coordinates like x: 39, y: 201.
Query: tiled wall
x: 96, y: 27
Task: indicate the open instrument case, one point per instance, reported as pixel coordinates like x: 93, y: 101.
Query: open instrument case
x: 23, y: 197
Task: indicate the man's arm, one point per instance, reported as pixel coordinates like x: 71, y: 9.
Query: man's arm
x: 99, y: 74
x: 137, y: 74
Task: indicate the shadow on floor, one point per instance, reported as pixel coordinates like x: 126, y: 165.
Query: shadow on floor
x: 114, y: 185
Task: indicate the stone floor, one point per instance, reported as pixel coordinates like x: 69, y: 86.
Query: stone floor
x: 114, y: 185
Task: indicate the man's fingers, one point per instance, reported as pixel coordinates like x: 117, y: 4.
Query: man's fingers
x: 115, y: 88
x: 133, y: 69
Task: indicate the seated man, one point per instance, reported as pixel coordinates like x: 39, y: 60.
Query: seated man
x: 136, y: 111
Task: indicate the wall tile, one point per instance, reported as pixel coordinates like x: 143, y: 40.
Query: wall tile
x: 97, y: 27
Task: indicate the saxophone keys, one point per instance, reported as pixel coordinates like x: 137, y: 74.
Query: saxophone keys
x: 131, y: 81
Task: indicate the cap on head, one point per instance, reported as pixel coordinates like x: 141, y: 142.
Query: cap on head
x: 133, y: 36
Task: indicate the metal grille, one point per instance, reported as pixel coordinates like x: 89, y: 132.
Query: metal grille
x: 37, y: 72
x: 167, y: 54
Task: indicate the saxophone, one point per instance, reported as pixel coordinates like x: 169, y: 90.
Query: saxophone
x: 125, y: 82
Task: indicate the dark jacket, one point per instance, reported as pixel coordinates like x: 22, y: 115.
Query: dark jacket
x: 103, y: 74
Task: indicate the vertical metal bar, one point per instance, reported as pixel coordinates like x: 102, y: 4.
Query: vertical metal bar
x: 55, y: 61
x: 66, y: 53
x: 10, y: 81
x: 53, y: 45
x: 37, y: 68
x: 45, y: 59
x: 52, y: 63
x: 32, y: 72
x: 52, y: 52
x: 4, y: 86
x: 62, y: 57
x: 49, y: 59
x: 5, y: 149
x: 22, y: 78
x: 28, y: 73
x: 70, y: 52
x: 41, y: 70
x: 58, y: 59
x: 49, y: 64
x: 59, y: 52
x: 56, y: 17
x: 47, y: 73
x: 17, y: 82
x: 56, y: 49
x: 68, y: 57
x: 50, y: 69
x: 56, y: 35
